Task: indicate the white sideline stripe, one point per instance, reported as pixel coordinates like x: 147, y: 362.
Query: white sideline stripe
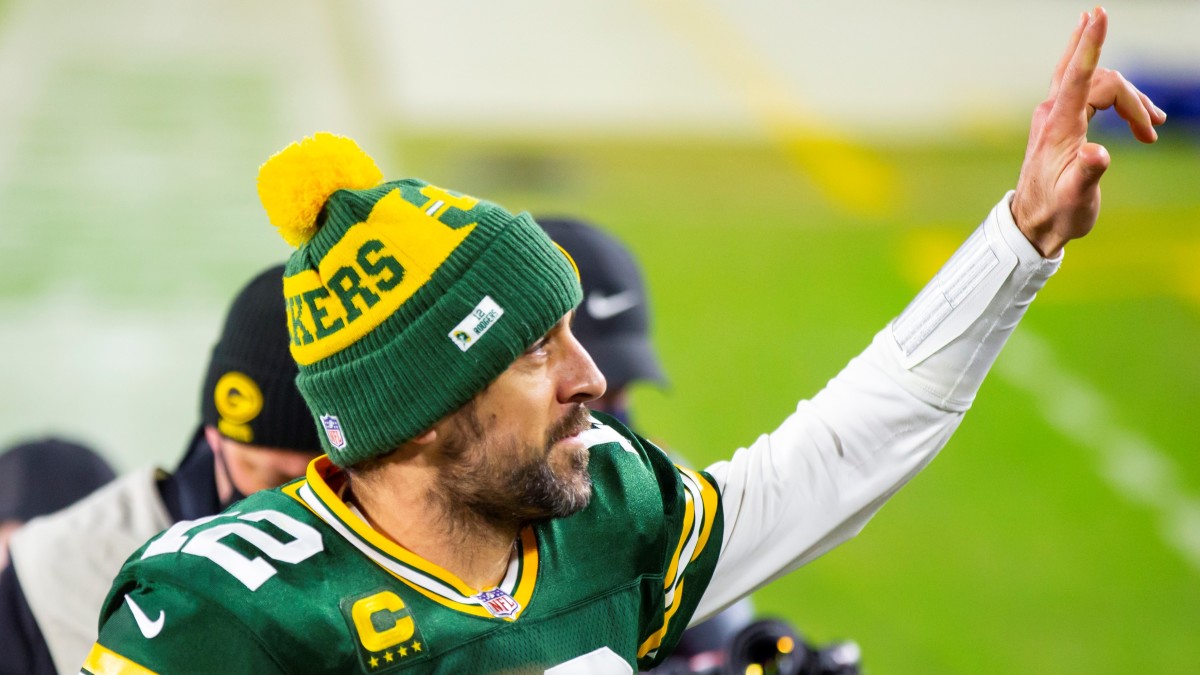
x: 1131, y: 465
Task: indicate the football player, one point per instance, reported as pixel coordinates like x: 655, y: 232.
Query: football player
x: 472, y: 515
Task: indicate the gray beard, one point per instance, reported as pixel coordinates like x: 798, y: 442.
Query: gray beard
x: 479, y: 485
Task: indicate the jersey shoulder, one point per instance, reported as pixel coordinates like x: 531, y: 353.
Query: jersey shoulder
x: 648, y: 520
x: 252, y: 541
x: 635, y: 480
x: 233, y: 587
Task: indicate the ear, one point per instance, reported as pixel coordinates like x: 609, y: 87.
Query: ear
x: 213, y: 437
x: 429, y: 436
x: 220, y: 468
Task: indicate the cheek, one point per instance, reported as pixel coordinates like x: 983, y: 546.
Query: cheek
x: 526, y: 406
x: 266, y: 472
x: 283, y: 470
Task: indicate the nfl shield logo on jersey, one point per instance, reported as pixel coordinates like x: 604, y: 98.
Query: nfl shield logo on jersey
x: 333, y: 431
x: 500, y: 604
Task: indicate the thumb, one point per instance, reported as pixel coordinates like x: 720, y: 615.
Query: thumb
x: 1093, y: 161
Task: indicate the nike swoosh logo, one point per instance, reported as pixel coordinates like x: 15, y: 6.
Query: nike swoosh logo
x: 603, y: 307
x: 150, y: 629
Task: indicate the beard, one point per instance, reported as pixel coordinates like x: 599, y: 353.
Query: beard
x: 481, y: 480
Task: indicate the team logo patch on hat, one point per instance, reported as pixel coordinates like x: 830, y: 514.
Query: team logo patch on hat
x: 333, y: 431
x: 482, y: 318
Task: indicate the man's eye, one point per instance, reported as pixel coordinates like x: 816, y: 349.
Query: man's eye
x: 538, y: 346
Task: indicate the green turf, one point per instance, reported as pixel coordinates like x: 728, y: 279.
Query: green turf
x: 1011, y: 553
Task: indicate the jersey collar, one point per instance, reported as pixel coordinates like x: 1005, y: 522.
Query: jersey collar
x: 317, y: 493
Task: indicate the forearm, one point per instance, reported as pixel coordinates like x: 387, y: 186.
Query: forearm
x: 816, y: 480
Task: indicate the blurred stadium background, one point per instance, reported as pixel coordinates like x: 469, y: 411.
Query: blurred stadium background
x: 788, y: 172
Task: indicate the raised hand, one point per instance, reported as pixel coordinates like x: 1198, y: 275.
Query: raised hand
x: 1058, y: 192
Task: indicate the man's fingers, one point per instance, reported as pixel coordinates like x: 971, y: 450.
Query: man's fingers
x: 1132, y: 108
x: 1156, y: 113
x: 1066, y: 57
x: 1111, y: 90
x: 1077, y: 77
x: 1092, y: 40
x: 1092, y: 161
x: 1078, y: 195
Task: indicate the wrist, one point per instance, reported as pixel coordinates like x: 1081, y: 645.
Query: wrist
x: 1042, y: 236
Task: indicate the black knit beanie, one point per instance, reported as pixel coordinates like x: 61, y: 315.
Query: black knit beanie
x: 250, y: 393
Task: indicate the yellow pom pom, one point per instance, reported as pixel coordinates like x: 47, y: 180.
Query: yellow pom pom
x: 295, y: 183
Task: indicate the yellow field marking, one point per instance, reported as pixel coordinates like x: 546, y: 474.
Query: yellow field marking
x: 850, y: 176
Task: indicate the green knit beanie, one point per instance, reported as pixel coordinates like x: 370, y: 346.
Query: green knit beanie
x: 403, y: 299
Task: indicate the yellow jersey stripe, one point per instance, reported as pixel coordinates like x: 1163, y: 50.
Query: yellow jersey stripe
x: 403, y: 562
x: 673, y: 583
x: 293, y: 490
x: 689, y: 518
x: 316, y: 480
x: 522, y: 595
x: 651, y: 643
x: 708, y: 496
x: 699, y: 516
x: 392, y: 567
x: 102, y: 661
x: 474, y: 610
x: 529, y: 569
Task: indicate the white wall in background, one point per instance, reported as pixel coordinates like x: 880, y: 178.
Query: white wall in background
x: 652, y: 65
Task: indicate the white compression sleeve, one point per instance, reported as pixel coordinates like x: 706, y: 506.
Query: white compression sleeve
x: 816, y: 480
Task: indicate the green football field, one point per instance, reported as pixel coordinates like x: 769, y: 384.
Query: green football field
x: 1059, y: 531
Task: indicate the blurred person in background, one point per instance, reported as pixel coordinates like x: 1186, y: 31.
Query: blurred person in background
x: 42, y: 476
x: 255, y: 432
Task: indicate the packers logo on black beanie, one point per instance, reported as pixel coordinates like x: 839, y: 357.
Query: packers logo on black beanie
x: 403, y: 299
x: 249, y: 391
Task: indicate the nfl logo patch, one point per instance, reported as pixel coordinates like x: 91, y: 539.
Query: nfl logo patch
x: 500, y: 604
x: 333, y: 431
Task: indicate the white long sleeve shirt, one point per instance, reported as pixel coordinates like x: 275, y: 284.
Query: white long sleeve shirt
x: 816, y: 480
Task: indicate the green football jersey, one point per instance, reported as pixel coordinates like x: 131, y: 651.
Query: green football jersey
x: 294, y: 580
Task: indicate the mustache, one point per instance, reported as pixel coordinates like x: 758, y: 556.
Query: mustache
x: 574, y: 422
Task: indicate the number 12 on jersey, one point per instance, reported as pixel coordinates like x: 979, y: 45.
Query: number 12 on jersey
x: 251, y: 572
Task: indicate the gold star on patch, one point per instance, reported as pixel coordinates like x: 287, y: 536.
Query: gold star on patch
x: 374, y: 662
x: 403, y: 651
x: 416, y: 646
x: 387, y: 656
